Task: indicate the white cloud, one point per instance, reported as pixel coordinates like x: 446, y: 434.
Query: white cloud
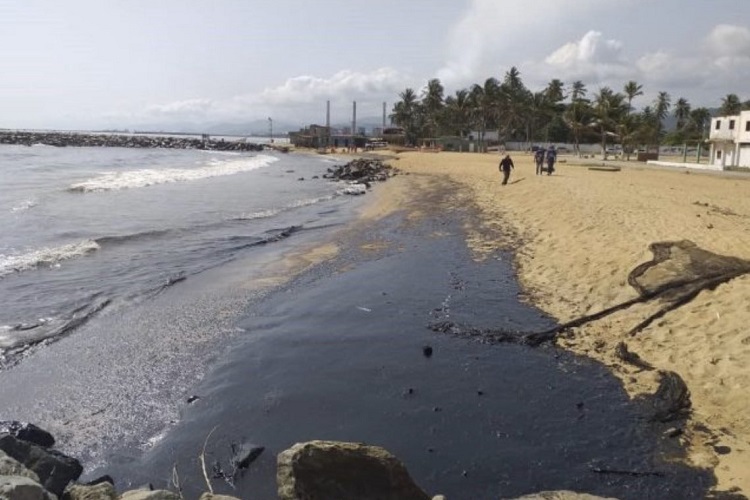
x: 493, y: 33
x: 726, y: 40
x: 346, y: 85
x: 301, y: 98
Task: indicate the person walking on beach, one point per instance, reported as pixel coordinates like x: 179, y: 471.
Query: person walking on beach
x: 539, y: 159
x: 506, y: 164
x: 551, y: 157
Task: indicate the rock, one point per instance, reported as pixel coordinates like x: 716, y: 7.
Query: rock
x: 244, y: 454
x: 27, y: 432
x: 106, y: 478
x: 211, y: 496
x: 9, y: 466
x: 150, y: 495
x: 562, y: 495
x: 22, y: 488
x: 338, y: 471
x: 427, y: 351
x: 55, y: 470
x: 101, y: 491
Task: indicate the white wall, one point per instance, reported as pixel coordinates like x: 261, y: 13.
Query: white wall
x: 744, y: 160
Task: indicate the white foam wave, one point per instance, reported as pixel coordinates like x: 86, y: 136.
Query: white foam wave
x: 265, y: 214
x: 10, y: 264
x: 148, y: 177
x: 24, y: 205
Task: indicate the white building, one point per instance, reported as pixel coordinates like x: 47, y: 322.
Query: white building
x: 730, y: 140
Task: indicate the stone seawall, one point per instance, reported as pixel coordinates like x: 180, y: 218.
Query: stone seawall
x: 62, y: 139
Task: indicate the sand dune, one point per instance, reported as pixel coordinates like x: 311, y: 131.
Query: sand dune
x: 577, y: 235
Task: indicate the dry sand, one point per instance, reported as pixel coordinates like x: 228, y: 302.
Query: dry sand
x: 578, y: 233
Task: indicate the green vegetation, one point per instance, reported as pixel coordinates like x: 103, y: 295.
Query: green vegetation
x: 555, y: 114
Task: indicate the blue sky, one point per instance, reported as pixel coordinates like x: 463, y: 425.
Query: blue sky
x: 125, y: 63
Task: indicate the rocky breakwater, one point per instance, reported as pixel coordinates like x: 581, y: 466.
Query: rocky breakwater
x: 75, y: 139
x: 31, y: 469
x: 359, y: 174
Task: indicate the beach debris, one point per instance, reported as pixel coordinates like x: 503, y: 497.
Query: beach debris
x: 192, y: 399
x: 673, y: 432
x: 671, y: 401
x: 623, y: 353
x: 244, y: 454
x: 365, y: 309
x: 427, y: 351
x: 634, y: 473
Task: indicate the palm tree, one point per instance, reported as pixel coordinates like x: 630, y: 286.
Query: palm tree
x: 730, y: 105
x: 700, y: 119
x: 682, y: 112
x: 661, y: 110
x: 514, y: 103
x: 609, y: 107
x: 432, y: 103
x: 406, y: 114
x: 577, y: 113
x: 458, y: 113
x: 632, y: 90
x: 483, y: 99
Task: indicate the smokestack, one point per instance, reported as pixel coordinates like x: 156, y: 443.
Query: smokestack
x: 328, y: 123
x: 354, y: 119
x: 383, y: 115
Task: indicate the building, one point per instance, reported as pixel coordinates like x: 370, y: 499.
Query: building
x: 730, y: 140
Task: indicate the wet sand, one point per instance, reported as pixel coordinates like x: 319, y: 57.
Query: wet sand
x: 337, y: 353
x: 578, y: 233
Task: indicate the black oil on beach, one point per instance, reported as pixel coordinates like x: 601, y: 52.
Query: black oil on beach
x: 341, y: 353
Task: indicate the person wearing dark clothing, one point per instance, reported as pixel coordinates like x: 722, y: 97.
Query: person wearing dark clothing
x: 551, y: 157
x: 506, y: 164
x: 539, y: 159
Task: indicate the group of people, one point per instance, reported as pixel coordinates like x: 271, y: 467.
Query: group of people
x: 549, y: 155
x: 540, y: 156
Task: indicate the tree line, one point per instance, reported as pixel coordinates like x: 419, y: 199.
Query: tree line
x: 558, y: 113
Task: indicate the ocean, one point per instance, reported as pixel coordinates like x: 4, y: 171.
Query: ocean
x: 90, y: 229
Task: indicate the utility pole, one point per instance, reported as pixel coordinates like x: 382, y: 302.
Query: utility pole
x: 270, y: 129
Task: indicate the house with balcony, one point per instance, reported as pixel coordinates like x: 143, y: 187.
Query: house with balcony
x: 730, y: 140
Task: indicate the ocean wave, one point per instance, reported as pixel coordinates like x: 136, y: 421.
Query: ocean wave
x: 271, y: 212
x: 24, y: 205
x: 10, y: 264
x: 111, y: 181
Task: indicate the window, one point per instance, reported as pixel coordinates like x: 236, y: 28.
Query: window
x: 718, y: 124
x: 718, y: 155
x: 747, y: 126
x: 731, y: 124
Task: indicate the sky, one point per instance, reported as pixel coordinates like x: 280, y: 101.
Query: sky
x: 88, y: 64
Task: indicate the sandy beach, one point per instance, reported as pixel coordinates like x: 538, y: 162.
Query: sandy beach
x: 577, y: 235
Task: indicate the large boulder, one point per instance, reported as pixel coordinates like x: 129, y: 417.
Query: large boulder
x: 55, y: 470
x: 9, y: 466
x: 22, y: 488
x: 331, y: 470
x: 211, y: 496
x: 150, y: 495
x: 562, y: 495
x: 27, y: 432
x: 100, y: 491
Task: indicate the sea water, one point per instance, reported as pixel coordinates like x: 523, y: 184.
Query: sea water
x: 83, y: 230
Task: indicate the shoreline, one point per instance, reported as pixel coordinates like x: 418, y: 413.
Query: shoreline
x: 574, y: 246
